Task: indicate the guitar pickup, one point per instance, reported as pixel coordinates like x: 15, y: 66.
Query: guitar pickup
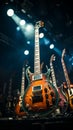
x: 37, y: 90
x: 36, y: 77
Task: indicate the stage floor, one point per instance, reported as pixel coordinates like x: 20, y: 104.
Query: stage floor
x: 46, y: 123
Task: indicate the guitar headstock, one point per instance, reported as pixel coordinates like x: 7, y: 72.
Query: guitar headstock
x: 39, y: 24
x: 52, y: 58
x: 63, y: 52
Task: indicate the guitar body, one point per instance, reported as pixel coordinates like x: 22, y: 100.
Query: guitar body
x: 40, y: 96
x: 68, y: 93
x: 68, y: 87
x: 18, y: 108
x: 63, y: 102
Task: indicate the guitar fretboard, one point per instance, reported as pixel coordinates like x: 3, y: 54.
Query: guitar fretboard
x: 23, y: 81
x: 53, y: 75
x: 37, y: 52
x: 65, y: 73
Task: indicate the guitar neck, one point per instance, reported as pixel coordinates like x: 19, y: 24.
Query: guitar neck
x: 23, y: 81
x: 37, y: 53
x: 65, y: 73
x: 53, y: 75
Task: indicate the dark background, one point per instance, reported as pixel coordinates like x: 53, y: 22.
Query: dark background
x: 58, y: 18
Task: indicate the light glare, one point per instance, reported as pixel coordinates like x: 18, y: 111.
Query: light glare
x: 29, y: 28
x: 41, y: 35
x: 26, y: 52
x: 18, y: 28
x: 10, y: 12
x: 22, y: 22
x: 51, y: 46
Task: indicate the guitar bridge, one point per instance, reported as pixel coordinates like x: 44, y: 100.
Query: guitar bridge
x: 37, y: 98
x: 37, y: 94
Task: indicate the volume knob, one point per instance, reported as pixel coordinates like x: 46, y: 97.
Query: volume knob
x: 45, y: 89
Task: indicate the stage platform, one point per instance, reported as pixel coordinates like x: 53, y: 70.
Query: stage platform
x: 58, y: 122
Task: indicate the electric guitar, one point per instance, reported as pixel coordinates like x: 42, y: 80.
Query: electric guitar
x: 62, y: 104
x: 40, y: 96
x: 68, y: 87
x: 18, y: 107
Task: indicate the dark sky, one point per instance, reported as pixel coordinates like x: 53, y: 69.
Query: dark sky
x: 58, y: 19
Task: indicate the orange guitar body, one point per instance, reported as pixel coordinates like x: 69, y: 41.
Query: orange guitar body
x: 18, y: 110
x: 40, y: 96
x: 63, y: 103
x: 69, y: 98
x: 18, y: 107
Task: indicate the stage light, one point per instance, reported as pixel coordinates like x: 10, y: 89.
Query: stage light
x: 10, y: 12
x: 41, y: 35
x: 29, y: 30
x: 26, y: 52
x: 29, y: 27
x: 18, y: 28
x: 46, y: 41
x: 51, y: 46
x: 22, y: 22
x: 28, y: 42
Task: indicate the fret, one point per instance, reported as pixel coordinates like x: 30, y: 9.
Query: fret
x: 36, y: 64
x: 37, y: 67
x: 37, y: 58
x: 37, y: 54
x: 22, y: 85
x: 36, y: 46
x: 36, y: 40
x: 37, y: 72
x: 37, y: 51
x: 36, y: 61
